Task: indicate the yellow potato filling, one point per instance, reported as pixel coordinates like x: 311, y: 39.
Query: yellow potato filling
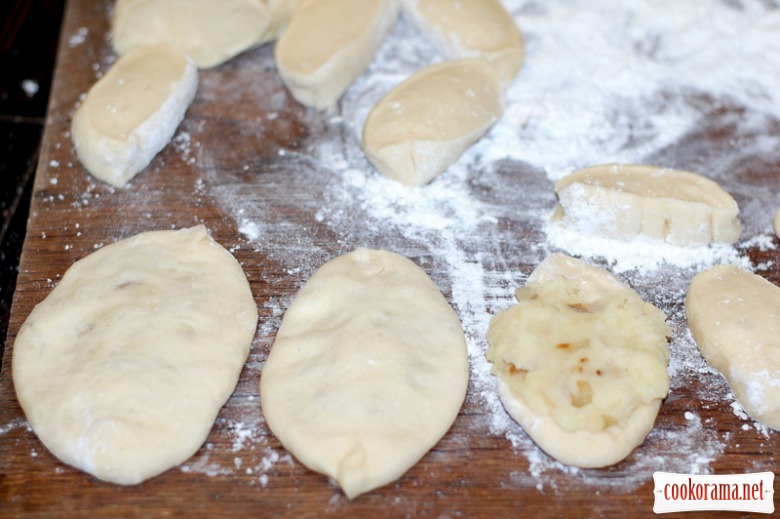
x: 586, y: 362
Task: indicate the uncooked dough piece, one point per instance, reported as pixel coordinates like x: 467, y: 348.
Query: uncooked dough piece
x: 472, y: 29
x: 424, y: 125
x: 123, y: 367
x: 132, y: 112
x: 627, y: 201
x: 281, y: 12
x: 328, y: 44
x: 368, y: 370
x: 776, y: 223
x: 734, y: 316
x: 581, y: 362
x: 210, y: 31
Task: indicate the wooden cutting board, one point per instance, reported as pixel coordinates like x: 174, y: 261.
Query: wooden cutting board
x: 247, y: 163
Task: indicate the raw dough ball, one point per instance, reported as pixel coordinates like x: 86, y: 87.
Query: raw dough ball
x: 734, y: 316
x: 627, y: 201
x: 368, y: 370
x: 472, y: 29
x: 132, y: 112
x: 581, y: 362
x: 124, y: 366
x: 328, y: 43
x: 423, y: 126
x: 210, y: 31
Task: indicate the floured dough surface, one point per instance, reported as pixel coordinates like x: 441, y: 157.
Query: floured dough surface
x: 424, y: 125
x: 626, y: 201
x: 472, y: 29
x: 132, y: 112
x: 581, y: 362
x: 122, y: 369
x: 327, y: 45
x: 209, y: 31
x: 368, y: 370
x: 734, y: 316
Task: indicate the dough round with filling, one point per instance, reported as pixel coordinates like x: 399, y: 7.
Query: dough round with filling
x: 328, y: 43
x: 581, y: 362
x: 734, y: 316
x: 368, y: 370
x: 210, y: 31
x: 424, y: 125
x: 132, y: 112
x: 123, y: 367
x: 625, y: 201
x: 472, y: 29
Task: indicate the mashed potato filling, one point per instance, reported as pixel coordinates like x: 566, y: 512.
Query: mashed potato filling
x: 587, y: 363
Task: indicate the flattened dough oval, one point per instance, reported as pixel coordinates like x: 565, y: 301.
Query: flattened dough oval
x: 209, y: 31
x: 423, y: 126
x: 627, y: 201
x: 472, y: 29
x: 580, y: 362
x: 132, y: 112
x: 368, y: 370
x: 734, y: 316
x: 123, y: 367
x: 328, y: 44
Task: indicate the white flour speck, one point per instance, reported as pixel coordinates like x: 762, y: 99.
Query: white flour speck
x: 79, y: 37
x: 249, y: 229
x: 30, y: 87
x: 14, y: 424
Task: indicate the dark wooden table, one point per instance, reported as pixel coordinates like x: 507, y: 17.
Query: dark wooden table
x: 248, y: 163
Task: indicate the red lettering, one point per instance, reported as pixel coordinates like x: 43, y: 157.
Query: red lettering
x: 715, y: 491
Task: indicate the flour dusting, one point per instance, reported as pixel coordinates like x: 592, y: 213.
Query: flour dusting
x: 14, y: 424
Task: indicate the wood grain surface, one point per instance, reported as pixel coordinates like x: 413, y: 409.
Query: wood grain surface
x: 262, y: 137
